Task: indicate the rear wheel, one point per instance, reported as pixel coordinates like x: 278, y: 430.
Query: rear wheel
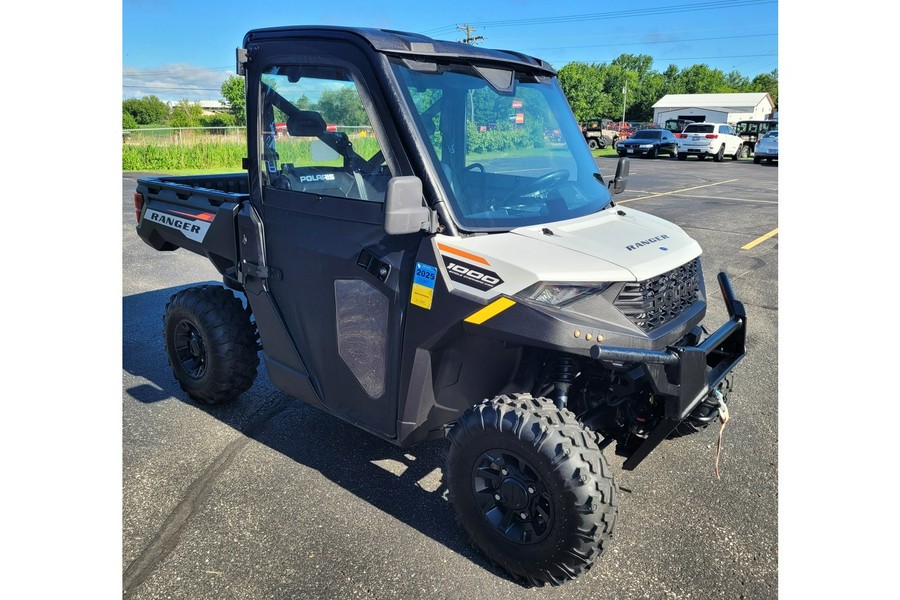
x: 211, y: 343
x: 757, y: 160
x: 718, y: 156
x: 531, y: 488
x: 680, y: 156
x: 592, y: 144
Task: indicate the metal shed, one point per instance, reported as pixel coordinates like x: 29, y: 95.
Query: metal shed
x: 719, y: 108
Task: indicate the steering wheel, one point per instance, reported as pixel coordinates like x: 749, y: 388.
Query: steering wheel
x: 546, y: 181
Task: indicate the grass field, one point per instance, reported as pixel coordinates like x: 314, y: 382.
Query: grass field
x: 227, y: 156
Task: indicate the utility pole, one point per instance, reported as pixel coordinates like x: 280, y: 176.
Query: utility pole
x: 470, y: 39
x: 624, y: 96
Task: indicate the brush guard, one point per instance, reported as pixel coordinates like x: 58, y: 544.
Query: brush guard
x: 684, y: 376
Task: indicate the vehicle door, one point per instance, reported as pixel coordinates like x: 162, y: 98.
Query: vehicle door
x: 732, y: 141
x: 326, y: 147
x: 667, y: 144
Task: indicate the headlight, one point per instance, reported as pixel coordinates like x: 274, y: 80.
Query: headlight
x: 646, y: 145
x: 560, y: 294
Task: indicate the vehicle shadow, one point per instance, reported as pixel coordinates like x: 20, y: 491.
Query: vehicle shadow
x: 404, y: 483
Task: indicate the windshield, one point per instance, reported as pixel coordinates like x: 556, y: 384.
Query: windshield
x: 509, y: 151
x: 646, y: 135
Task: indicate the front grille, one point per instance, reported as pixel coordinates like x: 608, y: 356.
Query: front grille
x: 654, y: 302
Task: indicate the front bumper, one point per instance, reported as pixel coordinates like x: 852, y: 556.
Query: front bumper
x: 632, y: 150
x: 683, y: 376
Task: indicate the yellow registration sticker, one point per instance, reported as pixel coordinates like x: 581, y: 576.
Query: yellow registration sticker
x: 423, y: 286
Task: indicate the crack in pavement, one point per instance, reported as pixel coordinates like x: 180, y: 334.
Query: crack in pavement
x: 166, y: 539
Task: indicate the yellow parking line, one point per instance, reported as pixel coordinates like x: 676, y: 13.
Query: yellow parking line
x: 760, y: 239
x: 697, y: 187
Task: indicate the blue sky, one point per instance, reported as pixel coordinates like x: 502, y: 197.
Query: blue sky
x: 178, y: 50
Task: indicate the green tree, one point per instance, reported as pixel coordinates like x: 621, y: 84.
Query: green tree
x: 342, y: 106
x: 652, y: 88
x: 584, y: 86
x: 595, y: 90
x: 737, y: 82
x: 128, y: 121
x: 766, y: 82
x: 148, y: 110
x: 638, y: 63
x: 304, y: 103
x: 186, y: 114
x: 217, y: 120
x: 701, y: 79
x: 233, y: 94
x: 672, y: 83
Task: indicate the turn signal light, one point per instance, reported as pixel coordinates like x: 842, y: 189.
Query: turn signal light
x: 138, y: 205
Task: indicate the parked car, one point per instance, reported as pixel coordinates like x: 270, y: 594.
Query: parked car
x: 649, y: 142
x: 767, y: 147
x: 709, y: 139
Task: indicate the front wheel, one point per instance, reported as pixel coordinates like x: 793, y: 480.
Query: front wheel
x: 531, y: 488
x: 211, y: 343
x: 592, y: 144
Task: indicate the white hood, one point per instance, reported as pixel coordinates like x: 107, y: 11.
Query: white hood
x: 643, y: 244
x: 603, y: 247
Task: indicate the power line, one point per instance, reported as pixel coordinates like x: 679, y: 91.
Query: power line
x: 708, y: 39
x: 175, y: 70
x: 182, y: 89
x: 622, y: 14
x: 660, y: 59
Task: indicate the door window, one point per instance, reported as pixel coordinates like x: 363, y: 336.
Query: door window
x: 316, y: 135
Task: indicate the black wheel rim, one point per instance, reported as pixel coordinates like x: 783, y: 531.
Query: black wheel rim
x: 190, y: 349
x: 511, y: 496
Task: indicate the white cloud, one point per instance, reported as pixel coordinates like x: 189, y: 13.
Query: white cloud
x: 174, y: 82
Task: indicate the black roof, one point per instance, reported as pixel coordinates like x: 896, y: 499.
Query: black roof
x: 402, y: 43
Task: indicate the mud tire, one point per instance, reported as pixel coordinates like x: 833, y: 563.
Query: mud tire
x: 211, y: 343
x: 551, y: 514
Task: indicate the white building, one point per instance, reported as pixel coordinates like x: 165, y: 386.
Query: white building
x: 718, y: 108
x: 209, y: 107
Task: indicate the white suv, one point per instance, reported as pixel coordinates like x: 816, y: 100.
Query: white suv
x: 709, y: 139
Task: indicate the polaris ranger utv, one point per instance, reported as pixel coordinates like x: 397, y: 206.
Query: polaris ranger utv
x: 435, y: 263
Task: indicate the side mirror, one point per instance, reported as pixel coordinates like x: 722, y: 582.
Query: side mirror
x: 403, y: 208
x: 620, y: 182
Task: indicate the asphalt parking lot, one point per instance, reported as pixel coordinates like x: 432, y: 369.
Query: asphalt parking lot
x: 269, y: 498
